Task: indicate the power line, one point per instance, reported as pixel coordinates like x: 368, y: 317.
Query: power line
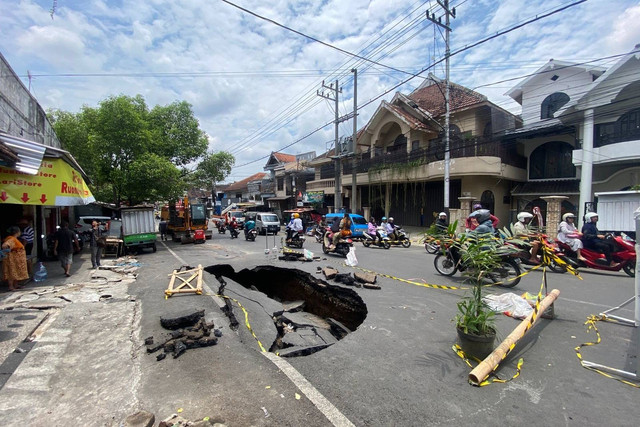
x: 456, y: 52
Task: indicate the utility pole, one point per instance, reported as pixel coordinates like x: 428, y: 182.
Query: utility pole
x: 447, y: 154
x: 336, y: 90
x: 354, y: 183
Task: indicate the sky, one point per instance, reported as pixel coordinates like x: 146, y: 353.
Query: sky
x: 253, y: 85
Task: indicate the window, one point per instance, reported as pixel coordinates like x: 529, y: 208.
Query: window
x: 553, y: 103
x: 487, y: 200
x: 415, y: 145
x: 552, y: 160
x: 280, y: 184
x: 630, y: 122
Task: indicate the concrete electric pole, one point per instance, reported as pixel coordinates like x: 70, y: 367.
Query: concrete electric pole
x: 354, y: 183
x: 336, y: 90
x: 447, y: 154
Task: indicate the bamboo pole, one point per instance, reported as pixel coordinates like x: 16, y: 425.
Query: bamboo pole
x: 491, y: 362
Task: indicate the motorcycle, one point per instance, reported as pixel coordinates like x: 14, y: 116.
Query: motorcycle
x: 401, y: 238
x: 221, y: 227
x: 318, y: 233
x: 232, y: 231
x: 372, y: 239
x: 548, y: 246
x: 624, y: 254
x: 341, y: 248
x: 250, y: 235
x: 297, y: 240
x: 507, y: 274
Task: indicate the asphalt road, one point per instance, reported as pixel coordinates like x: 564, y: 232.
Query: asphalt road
x: 398, y: 367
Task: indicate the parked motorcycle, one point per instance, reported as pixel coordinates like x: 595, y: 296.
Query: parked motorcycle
x: 624, y: 254
x: 401, y: 238
x: 250, y: 235
x: 297, y: 240
x: 506, y: 275
x: 341, y: 248
x: 382, y: 241
x: 232, y: 231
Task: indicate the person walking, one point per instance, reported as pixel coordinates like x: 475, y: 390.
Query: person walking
x: 14, y: 265
x: 94, y: 243
x: 27, y: 235
x: 63, y: 247
x: 162, y: 227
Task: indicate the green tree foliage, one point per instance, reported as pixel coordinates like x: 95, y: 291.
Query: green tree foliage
x: 214, y: 167
x: 132, y: 153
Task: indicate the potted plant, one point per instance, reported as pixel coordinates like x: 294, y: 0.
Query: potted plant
x: 475, y: 321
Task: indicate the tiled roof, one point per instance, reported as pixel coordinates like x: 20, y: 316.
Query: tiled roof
x: 413, y: 121
x: 431, y: 98
x: 284, y: 158
x: 238, y: 185
x: 547, y: 188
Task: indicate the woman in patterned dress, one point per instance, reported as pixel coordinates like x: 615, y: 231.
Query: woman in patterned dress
x: 14, y: 265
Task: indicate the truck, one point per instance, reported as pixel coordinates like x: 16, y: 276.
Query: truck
x: 186, y: 220
x: 138, y: 229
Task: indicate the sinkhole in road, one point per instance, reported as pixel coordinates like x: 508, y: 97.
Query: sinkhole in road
x: 314, y: 314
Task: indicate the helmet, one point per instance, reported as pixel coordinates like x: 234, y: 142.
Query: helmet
x: 442, y: 213
x: 567, y: 216
x: 390, y: 219
x: 587, y: 217
x: 477, y: 206
x: 522, y: 216
x: 384, y: 218
x: 296, y: 215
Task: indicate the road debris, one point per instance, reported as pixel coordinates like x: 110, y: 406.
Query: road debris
x: 188, y: 330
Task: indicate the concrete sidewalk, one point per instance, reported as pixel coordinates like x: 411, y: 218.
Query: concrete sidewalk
x: 76, y: 346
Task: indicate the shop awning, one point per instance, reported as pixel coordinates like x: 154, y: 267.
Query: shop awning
x: 29, y: 153
x: 54, y: 183
x: 279, y: 199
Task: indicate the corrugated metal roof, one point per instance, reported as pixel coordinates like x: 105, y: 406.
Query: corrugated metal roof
x: 29, y: 153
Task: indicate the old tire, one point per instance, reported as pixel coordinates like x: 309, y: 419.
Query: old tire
x: 444, y: 265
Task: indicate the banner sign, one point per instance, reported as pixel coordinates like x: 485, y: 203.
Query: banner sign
x: 314, y: 197
x: 56, y: 183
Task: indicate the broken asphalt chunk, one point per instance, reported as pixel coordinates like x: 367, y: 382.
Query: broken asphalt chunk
x: 329, y: 272
x: 181, y: 320
x: 364, y: 277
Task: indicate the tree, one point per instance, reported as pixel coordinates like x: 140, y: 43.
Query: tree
x: 214, y: 167
x: 129, y: 152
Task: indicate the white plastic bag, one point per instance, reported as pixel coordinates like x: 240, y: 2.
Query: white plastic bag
x: 510, y: 304
x: 308, y: 255
x: 352, y: 261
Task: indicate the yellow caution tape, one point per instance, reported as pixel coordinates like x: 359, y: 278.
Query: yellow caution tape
x: 246, y: 319
x: 591, y: 324
x: 458, y: 350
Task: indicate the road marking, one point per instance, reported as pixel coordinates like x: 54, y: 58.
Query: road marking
x: 322, y: 403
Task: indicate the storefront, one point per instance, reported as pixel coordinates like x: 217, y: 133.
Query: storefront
x: 39, y: 184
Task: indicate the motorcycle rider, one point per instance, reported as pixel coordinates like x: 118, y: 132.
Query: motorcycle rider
x: 381, y: 227
x: 294, y: 225
x: 249, y: 225
x: 471, y: 225
x: 592, y: 239
x: 441, y: 223
x: 569, y: 234
x: 372, y: 229
x: 391, y: 229
x: 344, y: 230
x: 521, y: 228
x: 482, y: 221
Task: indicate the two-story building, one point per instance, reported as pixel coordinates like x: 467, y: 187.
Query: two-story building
x: 288, y: 178
x: 580, y: 134
x: 400, y: 157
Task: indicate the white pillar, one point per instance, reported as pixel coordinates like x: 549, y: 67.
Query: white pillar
x: 586, y: 170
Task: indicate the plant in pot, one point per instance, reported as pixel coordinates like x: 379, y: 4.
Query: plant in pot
x: 475, y: 321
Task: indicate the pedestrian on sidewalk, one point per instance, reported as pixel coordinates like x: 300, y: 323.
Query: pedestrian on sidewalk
x: 27, y: 235
x: 95, y: 241
x: 63, y: 247
x: 14, y: 265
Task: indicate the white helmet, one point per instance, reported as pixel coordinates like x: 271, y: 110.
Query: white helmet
x: 390, y: 219
x: 567, y: 216
x: 587, y: 217
x: 442, y: 213
x: 522, y: 216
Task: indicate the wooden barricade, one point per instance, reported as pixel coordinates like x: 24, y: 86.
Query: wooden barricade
x: 185, y: 285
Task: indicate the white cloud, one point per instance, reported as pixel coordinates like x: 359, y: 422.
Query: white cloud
x: 246, y: 113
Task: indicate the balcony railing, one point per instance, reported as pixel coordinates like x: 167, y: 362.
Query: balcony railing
x: 615, y: 137
x: 459, y: 148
